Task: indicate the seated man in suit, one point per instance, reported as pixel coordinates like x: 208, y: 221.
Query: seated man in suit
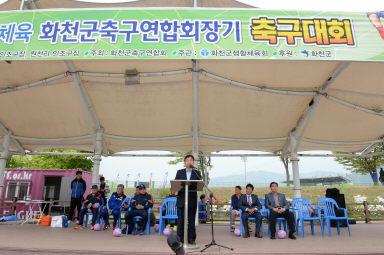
x: 250, y: 206
x: 278, y: 208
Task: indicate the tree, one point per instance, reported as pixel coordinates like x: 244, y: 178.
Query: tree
x: 51, y: 162
x: 204, y: 165
x: 363, y: 165
x: 285, y: 161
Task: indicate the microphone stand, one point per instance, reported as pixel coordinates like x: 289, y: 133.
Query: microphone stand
x: 213, y: 242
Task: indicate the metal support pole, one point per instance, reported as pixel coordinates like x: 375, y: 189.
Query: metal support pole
x: 195, y: 135
x: 22, y: 5
x: 244, y: 159
x: 97, y: 157
x: 295, y: 168
x: 3, y: 159
x: 186, y: 246
x: 195, y: 128
x: 195, y: 143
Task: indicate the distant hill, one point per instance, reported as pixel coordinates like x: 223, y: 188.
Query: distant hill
x: 263, y: 178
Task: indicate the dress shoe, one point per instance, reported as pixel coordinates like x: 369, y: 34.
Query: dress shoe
x: 192, y: 242
x: 273, y: 237
x: 258, y: 235
x: 246, y: 235
x: 292, y: 236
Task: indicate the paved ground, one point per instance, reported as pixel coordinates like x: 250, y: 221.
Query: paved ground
x: 33, y: 239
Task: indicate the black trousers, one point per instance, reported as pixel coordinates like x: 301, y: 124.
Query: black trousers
x: 246, y: 215
x: 75, y: 203
x: 287, y: 215
x: 83, y: 211
x: 191, y: 223
x: 133, y: 213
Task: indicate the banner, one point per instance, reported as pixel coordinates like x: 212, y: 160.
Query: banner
x: 126, y: 180
x: 165, y: 180
x: 187, y: 33
x: 138, y: 179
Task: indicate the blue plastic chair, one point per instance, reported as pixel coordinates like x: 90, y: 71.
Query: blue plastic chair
x: 264, y: 211
x: 328, y: 206
x: 136, y: 218
x: 89, y: 214
x: 250, y: 219
x: 302, y: 206
x: 230, y: 218
x: 128, y: 200
x: 169, y: 204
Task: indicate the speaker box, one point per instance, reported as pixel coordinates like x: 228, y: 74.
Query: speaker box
x: 340, y: 200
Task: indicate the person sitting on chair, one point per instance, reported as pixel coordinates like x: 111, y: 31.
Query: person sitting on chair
x: 203, y: 209
x: 91, y: 205
x: 250, y: 207
x: 278, y: 208
x: 115, y: 202
x: 235, y: 205
x: 139, y: 207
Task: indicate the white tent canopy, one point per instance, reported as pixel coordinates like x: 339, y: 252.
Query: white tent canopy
x: 274, y: 106
x: 254, y: 106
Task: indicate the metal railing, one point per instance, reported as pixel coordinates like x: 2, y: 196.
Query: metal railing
x: 364, y: 209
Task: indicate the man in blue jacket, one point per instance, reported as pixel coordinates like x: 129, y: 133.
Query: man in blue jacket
x: 235, y: 205
x: 139, y: 207
x: 115, y: 202
x: 78, y: 188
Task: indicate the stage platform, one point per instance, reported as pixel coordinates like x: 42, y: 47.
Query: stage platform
x: 28, y: 239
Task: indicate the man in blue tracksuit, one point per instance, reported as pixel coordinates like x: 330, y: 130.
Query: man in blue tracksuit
x: 91, y: 205
x: 139, y: 207
x: 78, y: 188
x: 203, y: 209
x: 115, y: 202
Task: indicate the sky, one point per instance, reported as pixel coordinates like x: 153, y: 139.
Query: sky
x: 112, y: 167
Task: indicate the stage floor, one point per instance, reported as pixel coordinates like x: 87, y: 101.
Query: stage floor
x: 33, y: 239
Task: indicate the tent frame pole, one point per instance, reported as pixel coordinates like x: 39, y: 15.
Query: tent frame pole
x: 89, y: 154
x: 195, y: 127
x: 295, y: 168
x: 22, y: 5
x: 6, y: 131
x: 3, y: 159
x: 86, y: 104
x: 308, y: 113
x: 97, y: 157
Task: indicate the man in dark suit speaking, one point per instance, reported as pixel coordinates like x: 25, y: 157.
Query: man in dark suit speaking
x: 188, y: 173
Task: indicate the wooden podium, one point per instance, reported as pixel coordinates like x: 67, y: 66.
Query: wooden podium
x: 177, y: 185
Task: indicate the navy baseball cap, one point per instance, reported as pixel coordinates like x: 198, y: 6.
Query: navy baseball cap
x: 141, y: 186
